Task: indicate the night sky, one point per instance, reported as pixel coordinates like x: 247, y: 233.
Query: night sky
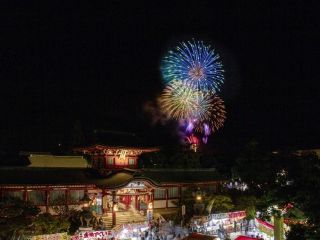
x: 98, y: 65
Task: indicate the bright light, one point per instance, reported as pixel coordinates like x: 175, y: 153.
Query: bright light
x: 199, y: 197
x: 115, y: 208
x: 150, y: 206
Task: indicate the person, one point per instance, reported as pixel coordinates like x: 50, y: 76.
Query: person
x: 177, y: 237
x: 142, y: 236
x: 101, y: 224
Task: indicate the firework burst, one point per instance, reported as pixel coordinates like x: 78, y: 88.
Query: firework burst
x: 179, y: 101
x: 216, y: 117
x: 196, y: 64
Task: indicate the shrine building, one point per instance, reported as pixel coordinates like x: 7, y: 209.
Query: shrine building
x: 109, y: 177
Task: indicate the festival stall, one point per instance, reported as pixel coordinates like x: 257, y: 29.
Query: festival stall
x: 246, y: 238
x: 194, y: 236
x: 265, y: 228
x: 131, y: 231
x: 228, y: 221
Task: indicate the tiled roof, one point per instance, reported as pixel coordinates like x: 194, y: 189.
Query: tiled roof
x: 73, y: 176
x: 37, y: 160
x: 165, y: 176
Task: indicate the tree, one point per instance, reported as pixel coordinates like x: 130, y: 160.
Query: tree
x: 74, y: 219
x: 248, y: 203
x: 170, y: 158
x: 16, y: 217
x: 256, y: 167
x: 283, y: 177
x: 188, y: 200
x: 219, y: 203
x: 297, y: 232
x: 47, y: 224
x: 60, y: 207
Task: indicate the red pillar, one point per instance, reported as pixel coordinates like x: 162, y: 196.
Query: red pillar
x: 114, y: 222
x: 25, y: 194
x: 67, y: 196
x: 136, y: 203
x: 47, y: 199
x: 166, y: 197
x: 152, y: 197
x: 102, y: 201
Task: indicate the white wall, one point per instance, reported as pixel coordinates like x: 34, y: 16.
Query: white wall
x: 159, y: 203
x: 162, y: 203
x: 171, y: 202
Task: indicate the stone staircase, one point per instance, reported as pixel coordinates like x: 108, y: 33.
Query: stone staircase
x: 123, y: 217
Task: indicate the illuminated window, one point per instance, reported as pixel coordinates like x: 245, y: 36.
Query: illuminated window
x: 131, y: 161
x: 58, y: 197
x: 101, y: 163
x: 173, y: 192
x: 159, y: 193
x: 75, y: 196
x: 110, y: 161
x: 13, y: 194
x: 37, y: 197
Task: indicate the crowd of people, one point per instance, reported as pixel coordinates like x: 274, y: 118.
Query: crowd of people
x: 155, y: 230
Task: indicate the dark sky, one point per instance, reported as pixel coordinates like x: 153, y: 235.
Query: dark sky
x: 98, y: 64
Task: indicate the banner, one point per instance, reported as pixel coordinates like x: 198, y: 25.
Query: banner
x: 238, y: 214
x: 265, y: 227
x: 93, y: 235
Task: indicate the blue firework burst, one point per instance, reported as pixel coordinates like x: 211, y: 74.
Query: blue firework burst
x: 196, y: 64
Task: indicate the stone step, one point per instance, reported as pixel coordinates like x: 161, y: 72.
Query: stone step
x: 123, y: 218
x: 119, y: 220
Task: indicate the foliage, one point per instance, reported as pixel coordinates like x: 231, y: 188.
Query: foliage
x: 46, y: 224
x: 283, y: 177
x: 170, y: 158
x: 300, y: 231
x: 306, y: 185
x: 219, y: 203
x: 188, y: 200
x: 297, y: 232
x: 223, y: 162
x: 248, y: 203
x: 256, y: 167
x: 74, y: 219
x: 16, y: 217
x: 60, y: 207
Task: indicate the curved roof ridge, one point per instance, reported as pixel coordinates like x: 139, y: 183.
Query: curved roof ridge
x: 179, y: 169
